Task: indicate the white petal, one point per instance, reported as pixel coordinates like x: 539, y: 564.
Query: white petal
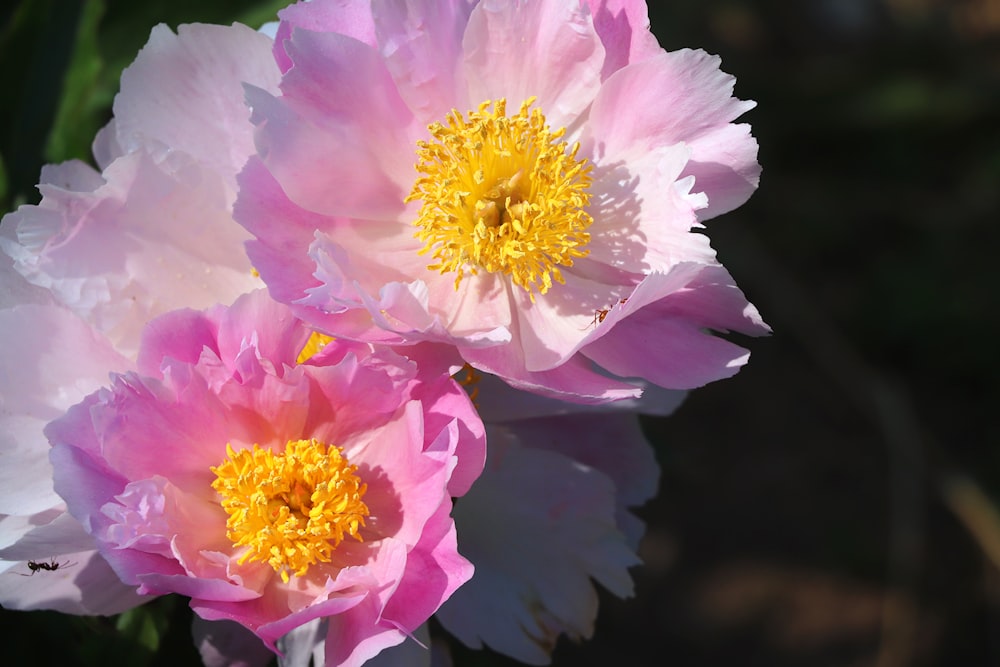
x: 537, y: 526
x: 49, y: 361
x: 82, y: 583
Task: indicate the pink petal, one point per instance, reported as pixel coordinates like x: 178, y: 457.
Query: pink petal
x: 182, y: 335
x: 395, y: 468
x: 434, y: 571
x: 667, y: 342
x: 185, y: 92
x: 630, y: 463
x: 643, y: 215
x: 421, y: 41
x: 339, y: 114
x: 17, y: 291
x: 521, y: 599
x: 359, y: 591
x: 546, y: 49
x: 347, y: 17
x: 72, y: 176
x: 356, y: 636
x: 147, y: 241
x: 26, y: 475
x: 674, y: 97
x: 178, y: 439
x: 395, y: 312
x: 623, y: 26
x: 87, y: 487
x: 724, y: 165
x: 106, y: 147
x: 256, y: 321
x: 554, y: 326
x: 351, y: 268
x: 211, y: 589
x: 366, y: 398
x: 270, y: 619
x: 499, y: 402
x: 14, y: 527
x: 281, y: 249
x: 576, y: 380
x: 469, y: 436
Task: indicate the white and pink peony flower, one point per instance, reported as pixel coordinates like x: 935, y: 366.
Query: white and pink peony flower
x: 520, y: 180
x: 49, y: 360
x: 272, y: 484
x: 101, y: 255
x: 153, y: 231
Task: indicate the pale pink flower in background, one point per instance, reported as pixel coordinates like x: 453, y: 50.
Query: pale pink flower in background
x: 271, y: 486
x: 574, y: 474
x: 49, y: 360
x: 153, y: 230
x: 521, y: 180
x: 550, y: 514
x: 96, y: 259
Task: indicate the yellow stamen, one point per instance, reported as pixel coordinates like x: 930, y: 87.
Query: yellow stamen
x: 290, y: 509
x: 470, y: 380
x: 316, y: 342
x: 502, y: 194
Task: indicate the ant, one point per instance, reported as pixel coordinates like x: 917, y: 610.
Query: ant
x: 50, y: 566
x: 599, y: 315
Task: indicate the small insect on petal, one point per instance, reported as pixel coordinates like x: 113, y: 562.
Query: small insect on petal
x: 49, y: 566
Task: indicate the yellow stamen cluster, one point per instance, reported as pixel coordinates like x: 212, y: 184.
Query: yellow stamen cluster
x: 469, y: 378
x: 316, y: 342
x: 503, y: 195
x: 290, y: 509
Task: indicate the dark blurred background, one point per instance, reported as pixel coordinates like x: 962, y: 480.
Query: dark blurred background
x: 832, y: 505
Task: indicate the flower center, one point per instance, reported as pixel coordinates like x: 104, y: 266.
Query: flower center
x: 290, y: 509
x: 503, y: 195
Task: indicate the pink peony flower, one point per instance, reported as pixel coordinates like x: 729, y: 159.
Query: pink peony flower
x: 550, y: 515
x: 271, y: 486
x: 102, y: 254
x: 521, y: 180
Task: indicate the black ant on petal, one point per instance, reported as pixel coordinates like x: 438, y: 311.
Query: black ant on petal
x: 49, y: 566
